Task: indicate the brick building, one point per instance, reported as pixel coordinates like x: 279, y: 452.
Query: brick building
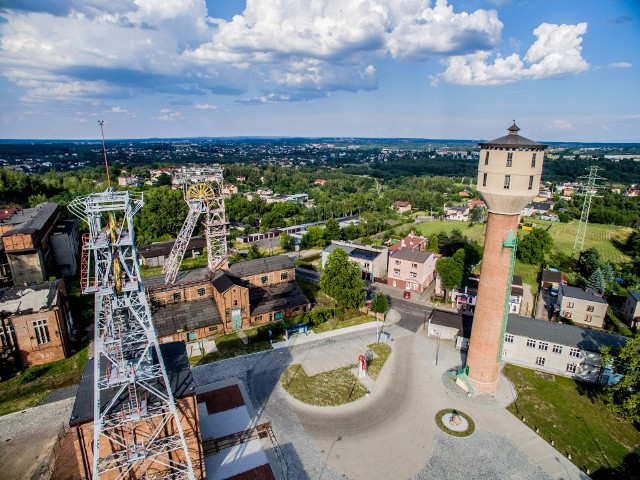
x: 35, y: 321
x: 248, y: 294
x: 28, y: 253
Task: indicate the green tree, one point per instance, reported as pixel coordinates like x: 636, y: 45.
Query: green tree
x: 163, y: 180
x: 589, y: 261
x: 534, y: 246
x: 287, y: 242
x: 254, y: 252
x: 608, y: 273
x: 596, y: 281
x: 450, y: 272
x: 379, y: 304
x: 341, y: 280
x: 432, y: 246
x: 350, y: 232
x: 331, y: 230
x: 314, y: 237
x: 163, y: 214
x: 624, y: 396
x: 476, y: 214
x: 37, y: 199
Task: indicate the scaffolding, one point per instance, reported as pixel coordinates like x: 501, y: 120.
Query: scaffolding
x: 204, y: 197
x: 137, y: 431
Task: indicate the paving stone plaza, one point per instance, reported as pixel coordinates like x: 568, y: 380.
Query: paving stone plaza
x: 390, y: 434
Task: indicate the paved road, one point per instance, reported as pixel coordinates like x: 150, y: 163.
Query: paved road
x: 391, y: 434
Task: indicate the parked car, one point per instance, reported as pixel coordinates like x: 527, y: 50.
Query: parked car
x: 553, y: 291
x: 407, y: 294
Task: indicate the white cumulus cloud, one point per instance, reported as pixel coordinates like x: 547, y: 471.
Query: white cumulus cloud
x: 620, y: 65
x: 556, y: 52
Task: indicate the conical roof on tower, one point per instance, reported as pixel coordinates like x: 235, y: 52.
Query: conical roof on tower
x: 512, y: 140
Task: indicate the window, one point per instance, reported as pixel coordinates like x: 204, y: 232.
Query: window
x: 201, y: 292
x: 235, y: 303
x: 414, y: 265
x: 177, y: 296
x: 284, y: 275
x: 569, y: 304
x: 259, y: 318
x: 507, y: 181
x: 12, y: 337
x: 557, y: 349
x: 398, y: 262
x: 533, y: 160
x: 540, y: 361
x: 486, y: 158
x: 264, y: 280
x: 531, y: 343
x: 484, y: 180
x: 574, y: 352
x: 588, y: 318
x: 509, y: 159
x: 571, y: 367
x: 396, y: 272
x: 42, y: 331
x: 413, y: 275
x: 531, y: 182
x: 508, y: 338
x: 590, y: 308
x: 543, y: 346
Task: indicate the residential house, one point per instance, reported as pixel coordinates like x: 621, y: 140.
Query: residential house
x: 552, y: 279
x: 477, y: 203
x: 582, y: 307
x: 229, y: 189
x: 372, y: 260
x: 457, y: 213
x: 465, y: 300
x: 631, y: 309
x: 401, y: 207
x: 464, y: 194
x: 320, y: 181
x: 632, y: 191
x: 247, y: 294
x: 537, y: 208
x: 551, y: 347
x: 264, y: 191
x: 35, y: 322
x: 411, y: 269
x: 410, y: 242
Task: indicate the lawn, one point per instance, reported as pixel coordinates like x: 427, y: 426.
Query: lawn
x: 575, y: 417
x: 335, y: 323
x: 230, y: 345
x: 31, y: 386
x: 475, y: 232
x: 335, y: 387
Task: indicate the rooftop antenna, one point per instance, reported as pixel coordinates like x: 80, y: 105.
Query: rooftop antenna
x: 589, y: 191
x: 104, y: 150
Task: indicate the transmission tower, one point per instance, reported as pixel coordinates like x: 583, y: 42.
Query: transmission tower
x: 136, y: 429
x: 204, y: 198
x: 589, y: 192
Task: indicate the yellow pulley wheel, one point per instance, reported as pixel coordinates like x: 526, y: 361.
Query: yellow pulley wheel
x: 200, y: 191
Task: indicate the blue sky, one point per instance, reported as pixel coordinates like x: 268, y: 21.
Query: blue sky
x: 565, y: 70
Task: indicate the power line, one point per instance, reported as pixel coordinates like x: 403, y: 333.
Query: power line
x: 589, y: 191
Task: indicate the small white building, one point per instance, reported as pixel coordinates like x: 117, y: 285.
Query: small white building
x: 456, y: 213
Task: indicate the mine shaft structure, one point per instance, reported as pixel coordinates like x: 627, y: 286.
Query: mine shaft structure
x: 203, y: 192
x: 509, y: 174
x: 136, y: 431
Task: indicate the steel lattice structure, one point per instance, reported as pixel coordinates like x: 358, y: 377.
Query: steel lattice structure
x: 137, y: 432
x: 204, y: 198
x: 590, y: 191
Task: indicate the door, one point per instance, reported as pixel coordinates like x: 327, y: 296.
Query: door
x: 236, y: 319
x: 191, y: 336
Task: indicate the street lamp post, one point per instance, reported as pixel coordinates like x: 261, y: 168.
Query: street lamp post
x: 438, y: 348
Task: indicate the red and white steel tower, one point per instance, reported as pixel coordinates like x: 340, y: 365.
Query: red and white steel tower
x: 509, y: 174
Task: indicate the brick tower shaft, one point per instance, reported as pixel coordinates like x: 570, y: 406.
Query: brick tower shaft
x: 484, y: 347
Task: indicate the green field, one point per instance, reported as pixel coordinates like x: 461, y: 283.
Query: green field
x: 602, y: 237
x: 573, y: 415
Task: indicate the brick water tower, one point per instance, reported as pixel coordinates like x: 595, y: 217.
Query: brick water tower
x: 508, y: 178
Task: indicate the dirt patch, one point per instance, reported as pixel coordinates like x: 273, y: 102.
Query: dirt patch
x: 546, y: 376
x: 222, y: 399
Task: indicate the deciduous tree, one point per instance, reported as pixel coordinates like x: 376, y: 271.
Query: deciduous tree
x: 341, y: 280
x: 624, y: 396
x: 450, y: 272
x: 534, y: 246
x: 379, y: 304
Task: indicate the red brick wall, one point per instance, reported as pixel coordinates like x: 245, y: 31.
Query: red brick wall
x: 165, y: 296
x: 273, y: 278
x: 484, y: 346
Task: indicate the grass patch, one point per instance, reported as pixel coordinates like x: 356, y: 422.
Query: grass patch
x: 338, y: 322
x: 529, y: 274
x: 475, y: 232
x: 383, y: 351
x: 230, y: 345
x: 332, y: 388
x: 574, y: 415
x: 31, y: 386
x: 311, y: 291
x: 469, y: 431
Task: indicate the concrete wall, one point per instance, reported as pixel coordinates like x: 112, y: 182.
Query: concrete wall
x: 631, y: 311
